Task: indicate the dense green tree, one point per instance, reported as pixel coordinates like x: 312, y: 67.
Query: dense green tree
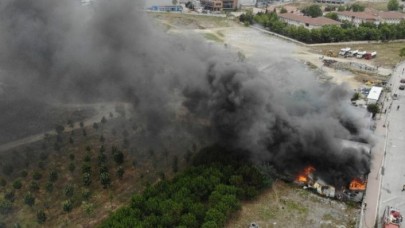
x: 312, y: 11
x: 283, y: 10
x: 356, y: 7
x: 41, y: 217
x: 103, y: 120
x: 332, y: 16
x: 355, y: 97
x: 9, y: 195
x: 393, y: 5
x: 95, y: 126
x: 29, y: 199
x: 373, y: 109
x: 72, y: 157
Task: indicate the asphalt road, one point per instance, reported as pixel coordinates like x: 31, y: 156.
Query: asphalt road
x: 387, y: 175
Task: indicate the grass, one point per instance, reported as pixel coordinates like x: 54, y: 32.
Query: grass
x: 213, y: 37
x: 387, y: 53
x: 193, y: 21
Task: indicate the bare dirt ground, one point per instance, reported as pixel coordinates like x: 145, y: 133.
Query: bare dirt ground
x: 285, y: 205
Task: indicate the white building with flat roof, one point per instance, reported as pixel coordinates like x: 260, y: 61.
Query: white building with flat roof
x: 374, y: 94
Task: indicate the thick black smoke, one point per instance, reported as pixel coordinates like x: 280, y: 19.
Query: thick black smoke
x: 61, y: 50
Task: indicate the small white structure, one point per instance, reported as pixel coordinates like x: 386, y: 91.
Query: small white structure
x: 343, y: 51
x: 360, y: 54
x: 374, y: 95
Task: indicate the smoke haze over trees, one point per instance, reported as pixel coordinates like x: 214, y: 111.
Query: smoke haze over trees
x: 61, y: 50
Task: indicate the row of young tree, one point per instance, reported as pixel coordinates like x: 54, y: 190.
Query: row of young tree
x: 329, y: 33
x: 201, y: 196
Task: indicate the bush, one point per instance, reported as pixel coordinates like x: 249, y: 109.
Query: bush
x: 49, y: 187
x: 5, y: 206
x: 120, y: 172
x: 29, y: 199
x: 105, y: 179
x: 86, y: 194
x: 17, y: 184
x: 86, y: 179
x: 36, y: 175
x: 67, y: 206
x: 34, y: 186
x: 41, y: 217
x: 9, y: 195
x: 68, y: 190
x: 53, y: 176
x: 24, y: 173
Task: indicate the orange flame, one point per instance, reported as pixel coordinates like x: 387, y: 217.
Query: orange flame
x: 357, y: 185
x: 303, y: 176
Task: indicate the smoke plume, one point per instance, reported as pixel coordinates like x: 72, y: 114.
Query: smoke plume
x: 111, y: 50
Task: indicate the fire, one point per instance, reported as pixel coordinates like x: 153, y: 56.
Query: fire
x: 357, y: 185
x: 303, y: 176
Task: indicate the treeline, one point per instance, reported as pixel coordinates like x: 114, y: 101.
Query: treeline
x: 329, y: 33
x: 201, y: 196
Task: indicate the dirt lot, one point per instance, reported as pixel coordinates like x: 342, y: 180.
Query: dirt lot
x: 286, y: 205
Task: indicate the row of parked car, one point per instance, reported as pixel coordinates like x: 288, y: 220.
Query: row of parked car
x: 347, y: 52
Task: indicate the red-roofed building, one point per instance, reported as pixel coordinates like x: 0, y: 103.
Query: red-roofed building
x: 357, y: 18
x: 307, y: 22
x: 391, y: 17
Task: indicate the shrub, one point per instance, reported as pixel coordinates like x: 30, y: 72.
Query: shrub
x: 41, y: 217
x: 29, y: 199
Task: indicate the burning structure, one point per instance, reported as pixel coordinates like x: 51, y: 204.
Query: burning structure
x: 353, y: 190
x: 63, y: 51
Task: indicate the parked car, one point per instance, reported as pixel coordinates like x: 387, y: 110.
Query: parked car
x: 402, y: 81
x: 402, y: 87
